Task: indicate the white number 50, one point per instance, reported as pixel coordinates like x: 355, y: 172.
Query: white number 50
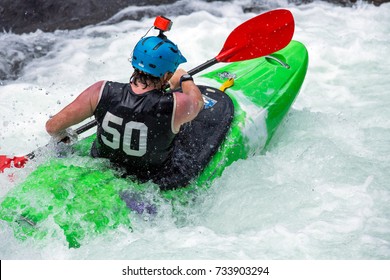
x: 126, y: 138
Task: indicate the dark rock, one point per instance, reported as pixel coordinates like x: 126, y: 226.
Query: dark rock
x: 22, y: 16
x: 378, y: 2
x: 13, y: 60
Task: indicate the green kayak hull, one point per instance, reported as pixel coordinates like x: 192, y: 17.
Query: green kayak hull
x: 77, y: 197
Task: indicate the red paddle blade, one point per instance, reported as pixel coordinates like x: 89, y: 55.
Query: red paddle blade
x: 20, y: 162
x: 259, y: 36
x: 6, y: 162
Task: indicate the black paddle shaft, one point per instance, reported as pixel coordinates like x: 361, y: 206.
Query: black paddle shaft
x: 86, y: 127
x: 203, y: 66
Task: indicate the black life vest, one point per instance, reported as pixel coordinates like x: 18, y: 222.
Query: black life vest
x: 134, y: 130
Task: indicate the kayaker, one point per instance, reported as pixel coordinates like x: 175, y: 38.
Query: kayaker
x: 137, y: 121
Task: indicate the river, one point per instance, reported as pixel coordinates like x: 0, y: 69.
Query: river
x: 321, y: 188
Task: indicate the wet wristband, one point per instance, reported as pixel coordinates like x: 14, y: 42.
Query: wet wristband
x: 185, y: 77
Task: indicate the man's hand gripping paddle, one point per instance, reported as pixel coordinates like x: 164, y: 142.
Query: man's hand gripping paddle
x: 20, y: 161
x: 259, y: 36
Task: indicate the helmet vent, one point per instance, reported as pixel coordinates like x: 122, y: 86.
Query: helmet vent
x: 173, y: 50
x: 144, y: 41
x: 158, y: 45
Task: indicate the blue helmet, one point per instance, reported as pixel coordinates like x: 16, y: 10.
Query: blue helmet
x: 156, y: 56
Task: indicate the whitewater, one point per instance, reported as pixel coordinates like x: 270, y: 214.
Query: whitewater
x: 320, y: 190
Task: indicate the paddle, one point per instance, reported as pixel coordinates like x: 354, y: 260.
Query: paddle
x: 259, y: 36
x: 20, y: 161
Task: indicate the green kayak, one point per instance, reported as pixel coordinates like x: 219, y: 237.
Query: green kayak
x: 76, y: 197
